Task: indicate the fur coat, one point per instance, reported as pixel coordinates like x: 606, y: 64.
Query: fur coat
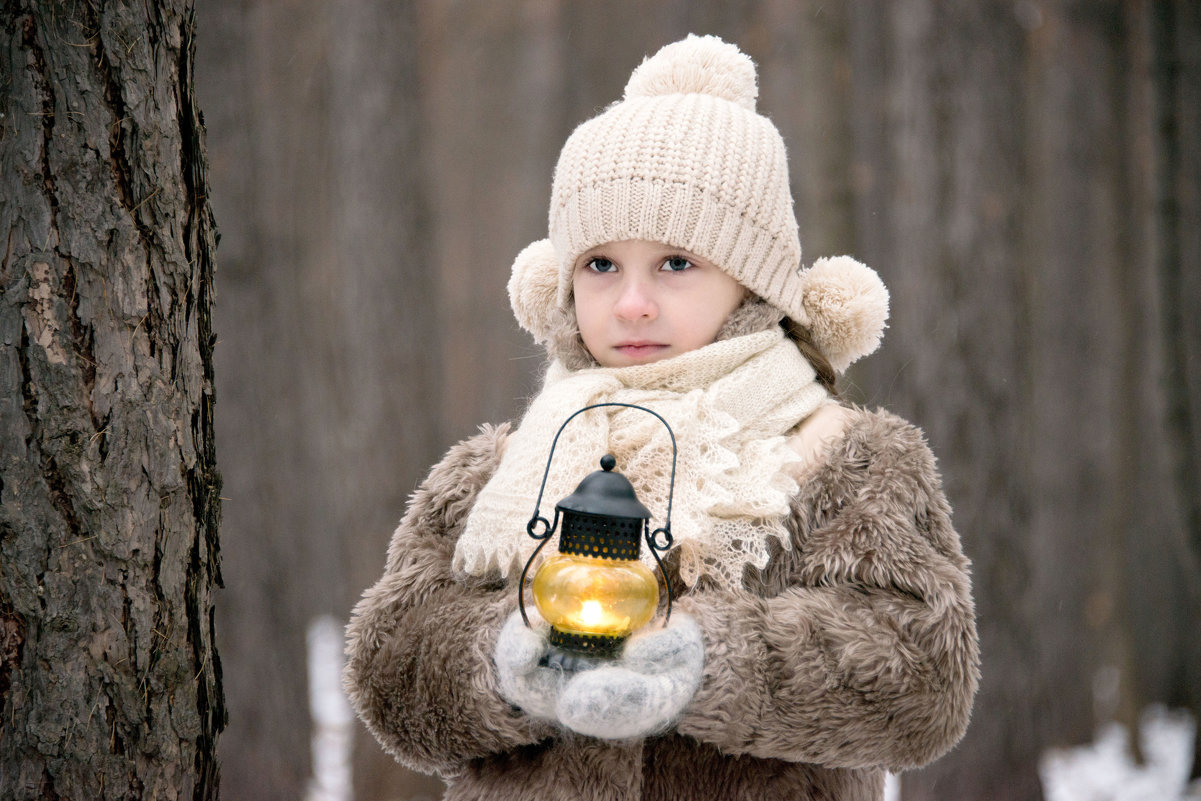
x: 852, y: 653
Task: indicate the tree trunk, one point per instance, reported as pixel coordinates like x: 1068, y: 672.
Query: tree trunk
x: 109, y: 680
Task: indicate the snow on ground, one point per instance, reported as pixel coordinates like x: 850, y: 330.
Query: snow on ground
x: 1106, y: 770
x: 332, y: 717
x: 892, y: 787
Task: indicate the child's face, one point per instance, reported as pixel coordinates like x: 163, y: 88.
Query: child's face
x: 639, y: 301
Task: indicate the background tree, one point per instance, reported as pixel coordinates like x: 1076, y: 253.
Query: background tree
x: 109, y: 680
x: 1033, y: 183
x: 1024, y: 175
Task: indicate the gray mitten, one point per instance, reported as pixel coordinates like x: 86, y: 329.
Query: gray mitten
x: 521, y: 681
x: 641, y: 693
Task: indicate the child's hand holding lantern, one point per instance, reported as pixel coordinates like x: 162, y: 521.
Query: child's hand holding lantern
x: 643, y: 691
x: 636, y: 694
x: 523, y: 677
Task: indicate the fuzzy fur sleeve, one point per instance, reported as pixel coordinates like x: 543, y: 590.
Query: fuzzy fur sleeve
x: 857, y: 647
x: 419, y: 643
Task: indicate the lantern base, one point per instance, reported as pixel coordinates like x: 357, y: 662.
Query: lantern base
x: 600, y: 645
x: 570, y: 661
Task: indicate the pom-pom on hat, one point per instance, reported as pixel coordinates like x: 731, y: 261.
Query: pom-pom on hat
x: 685, y: 159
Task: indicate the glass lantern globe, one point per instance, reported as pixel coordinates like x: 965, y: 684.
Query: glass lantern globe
x: 596, y: 591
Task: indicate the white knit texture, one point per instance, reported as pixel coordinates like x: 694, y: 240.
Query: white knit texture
x: 731, y: 405
x: 520, y: 677
x: 644, y: 691
x: 683, y: 160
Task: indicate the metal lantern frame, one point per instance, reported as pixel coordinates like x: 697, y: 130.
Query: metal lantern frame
x: 658, y: 540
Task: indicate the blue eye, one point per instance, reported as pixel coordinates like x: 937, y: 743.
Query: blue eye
x: 677, y: 264
x: 601, y: 265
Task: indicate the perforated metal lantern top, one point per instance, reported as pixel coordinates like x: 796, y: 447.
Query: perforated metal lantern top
x: 604, y: 492
x: 603, y: 517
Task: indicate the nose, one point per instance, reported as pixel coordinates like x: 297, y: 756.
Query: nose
x: 635, y: 300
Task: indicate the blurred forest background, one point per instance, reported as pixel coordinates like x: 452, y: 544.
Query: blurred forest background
x: 1025, y: 175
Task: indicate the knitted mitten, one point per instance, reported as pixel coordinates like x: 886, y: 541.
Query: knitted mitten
x: 521, y: 681
x: 641, y: 693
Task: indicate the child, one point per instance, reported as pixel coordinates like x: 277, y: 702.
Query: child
x: 823, y: 630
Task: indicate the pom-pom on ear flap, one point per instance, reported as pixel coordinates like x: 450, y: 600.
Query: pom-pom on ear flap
x: 847, y: 306
x: 534, y: 288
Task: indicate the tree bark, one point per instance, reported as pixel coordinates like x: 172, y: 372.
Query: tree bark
x: 109, y: 679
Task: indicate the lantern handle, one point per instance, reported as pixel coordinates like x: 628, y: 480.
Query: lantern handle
x: 652, y: 541
x: 652, y: 537
x: 543, y: 538
x: 671, y: 488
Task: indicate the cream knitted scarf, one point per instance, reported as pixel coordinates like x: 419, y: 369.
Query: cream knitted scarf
x: 730, y: 405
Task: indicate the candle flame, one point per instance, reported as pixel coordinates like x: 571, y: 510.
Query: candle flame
x: 592, y: 613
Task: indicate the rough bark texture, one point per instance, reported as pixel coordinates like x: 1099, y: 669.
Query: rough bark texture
x: 109, y: 681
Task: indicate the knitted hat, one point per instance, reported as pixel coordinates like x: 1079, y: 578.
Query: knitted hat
x: 684, y: 159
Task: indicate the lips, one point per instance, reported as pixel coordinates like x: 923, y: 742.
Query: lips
x: 638, y: 349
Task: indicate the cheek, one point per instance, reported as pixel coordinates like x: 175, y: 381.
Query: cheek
x: 723, y: 299
x: 695, y: 330
x: 715, y: 325
x: 587, y: 313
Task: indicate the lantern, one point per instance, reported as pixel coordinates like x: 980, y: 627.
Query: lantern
x: 596, y: 591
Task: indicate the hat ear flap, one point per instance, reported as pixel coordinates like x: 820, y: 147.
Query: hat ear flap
x: 534, y: 288
x: 847, y: 307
